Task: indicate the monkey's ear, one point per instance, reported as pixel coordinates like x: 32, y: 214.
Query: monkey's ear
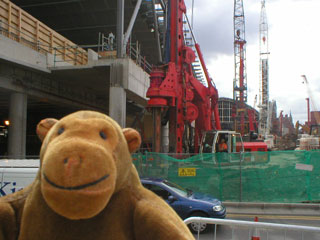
x: 133, y: 139
x: 44, y: 126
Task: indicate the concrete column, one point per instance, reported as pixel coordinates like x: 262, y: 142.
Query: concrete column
x: 165, y: 138
x: 120, y: 27
x: 18, y: 125
x: 117, y: 105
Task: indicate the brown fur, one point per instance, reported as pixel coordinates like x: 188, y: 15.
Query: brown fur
x: 87, y: 188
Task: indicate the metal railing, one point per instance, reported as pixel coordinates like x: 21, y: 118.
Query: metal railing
x: 108, y: 49
x: 139, y: 59
x: 19, y: 36
x: 75, y: 54
x: 255, y: 227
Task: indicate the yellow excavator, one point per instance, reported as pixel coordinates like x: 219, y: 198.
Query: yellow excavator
x: 304, y: 127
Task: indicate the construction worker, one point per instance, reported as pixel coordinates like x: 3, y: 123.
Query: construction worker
x: 223, y: 147
x: 111, y: 38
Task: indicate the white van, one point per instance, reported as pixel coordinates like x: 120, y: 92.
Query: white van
x: 17, y: 174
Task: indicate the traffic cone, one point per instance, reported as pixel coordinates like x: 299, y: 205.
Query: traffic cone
x: 255, y: 235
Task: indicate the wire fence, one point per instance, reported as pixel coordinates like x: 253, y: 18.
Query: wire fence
x: 268, y: 177
x: 276, y: 176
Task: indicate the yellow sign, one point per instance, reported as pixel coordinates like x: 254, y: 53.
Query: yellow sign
x: 187, y: 172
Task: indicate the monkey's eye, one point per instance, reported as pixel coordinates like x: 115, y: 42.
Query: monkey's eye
x: 103, y: 135
x: 60, y: 130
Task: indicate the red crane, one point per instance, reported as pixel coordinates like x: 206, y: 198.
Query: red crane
x: 253, y: 124
x: 308, y: 112
x: 240, y: 80
x: 176, y: 95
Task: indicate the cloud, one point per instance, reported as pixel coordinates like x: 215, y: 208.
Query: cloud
x: 293, y: 44
x: 213, y: 27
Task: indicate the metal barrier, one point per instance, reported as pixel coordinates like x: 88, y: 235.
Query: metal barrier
x: 139, y: 59
x: 255, y: 227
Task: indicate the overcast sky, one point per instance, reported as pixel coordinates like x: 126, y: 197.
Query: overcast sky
x: 294, y: 46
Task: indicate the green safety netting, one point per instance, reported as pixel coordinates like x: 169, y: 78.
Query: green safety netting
x: 276, y: 176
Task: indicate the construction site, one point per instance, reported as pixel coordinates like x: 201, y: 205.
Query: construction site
x: 150, y: 46
x: 239, y: 155
x: 139, y: 62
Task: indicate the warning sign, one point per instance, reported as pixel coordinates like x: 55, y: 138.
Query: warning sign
x: 187, y: 172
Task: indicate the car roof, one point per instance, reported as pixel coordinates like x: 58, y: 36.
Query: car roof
x: 152, y: 179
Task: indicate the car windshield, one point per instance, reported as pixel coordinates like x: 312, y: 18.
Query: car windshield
x: 178, y: 189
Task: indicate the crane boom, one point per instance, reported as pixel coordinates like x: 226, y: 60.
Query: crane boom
x: 313, y: 103
x: 240, y: 80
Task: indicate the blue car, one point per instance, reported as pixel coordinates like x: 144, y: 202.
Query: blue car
x: 185, y: 202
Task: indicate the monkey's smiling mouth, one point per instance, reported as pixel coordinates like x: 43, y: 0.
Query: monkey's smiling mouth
x: 75, y: 187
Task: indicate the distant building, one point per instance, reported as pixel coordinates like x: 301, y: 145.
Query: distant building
x: 315, y: 117
x: 274, y: 120
x: 227, y: 113
x: 287, y: 125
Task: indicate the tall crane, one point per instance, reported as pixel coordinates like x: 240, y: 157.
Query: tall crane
x: 313, y: 126
x: 264, y: 127
x: 313, y: 103
x: 240, y: 79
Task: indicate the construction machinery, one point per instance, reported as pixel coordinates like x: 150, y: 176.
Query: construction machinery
x: 313, y: 103
x: 253, y: 124
x: 240, y: 79
x: 181, y: 94
x: 264, y: 122
x: 177, y: 97
x: 314, y: 126
x: 308, y: 111
x: 310, y: 137
x: 211, y: 140
x: 305, y: 128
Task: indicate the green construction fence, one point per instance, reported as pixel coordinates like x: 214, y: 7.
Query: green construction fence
x: 275, y: 176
